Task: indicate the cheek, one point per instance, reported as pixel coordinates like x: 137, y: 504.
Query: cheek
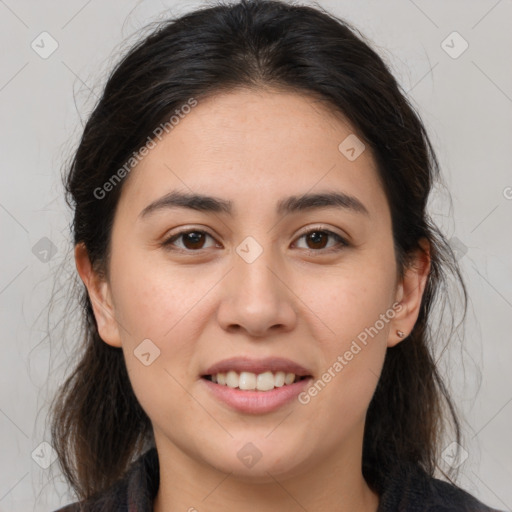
x: 350, y: 300
x: 159, y: 313
x: 352, y: 312
x: 156, y: 299
x: 352, y: 361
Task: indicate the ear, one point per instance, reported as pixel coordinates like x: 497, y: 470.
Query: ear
x: 409, y: 294
x: 99, y: 292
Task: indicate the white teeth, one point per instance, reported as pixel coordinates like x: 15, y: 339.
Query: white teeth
x: 232, y: 379
x: 264, y: 381
x: 250, y: 381
x: 247, y: 381
x: 279, y: 379
x: 290, y: 377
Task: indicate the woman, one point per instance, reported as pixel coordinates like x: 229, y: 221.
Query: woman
x: 259, y: 272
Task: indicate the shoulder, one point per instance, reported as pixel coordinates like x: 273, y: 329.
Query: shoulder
x: 109, y: 500
x: 411, y: 489
x: 135, y: 491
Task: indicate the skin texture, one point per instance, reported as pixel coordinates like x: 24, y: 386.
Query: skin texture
x: 254, y: 148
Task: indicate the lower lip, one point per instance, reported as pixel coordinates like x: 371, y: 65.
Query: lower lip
x: 256, y: 402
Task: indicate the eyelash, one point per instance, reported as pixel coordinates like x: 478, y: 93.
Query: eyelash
x: 342, y: 243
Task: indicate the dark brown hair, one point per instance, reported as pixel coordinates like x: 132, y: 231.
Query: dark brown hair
x: 98, y: 426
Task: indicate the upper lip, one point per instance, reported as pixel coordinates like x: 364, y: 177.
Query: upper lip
x: 246, y: 364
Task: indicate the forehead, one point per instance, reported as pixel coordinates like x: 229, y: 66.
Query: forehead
x: 246, y: 144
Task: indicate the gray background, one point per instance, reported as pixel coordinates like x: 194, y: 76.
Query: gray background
x: 466, y: 103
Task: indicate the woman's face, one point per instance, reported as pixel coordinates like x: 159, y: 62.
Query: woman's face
x: 251, y: 284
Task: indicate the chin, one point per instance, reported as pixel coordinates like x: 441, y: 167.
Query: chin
x: 259, y: 465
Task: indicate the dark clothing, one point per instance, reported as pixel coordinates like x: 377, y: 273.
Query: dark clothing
x: 408, y: 489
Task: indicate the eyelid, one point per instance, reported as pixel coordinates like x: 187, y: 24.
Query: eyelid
x: 167, y: 241
x: 319, y: 227
x: 342, y: 240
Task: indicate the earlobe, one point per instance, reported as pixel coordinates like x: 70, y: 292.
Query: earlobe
x: 409, y: 294
x: 99, y: 293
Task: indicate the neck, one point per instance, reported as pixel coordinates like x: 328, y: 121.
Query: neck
x: 334, y: 483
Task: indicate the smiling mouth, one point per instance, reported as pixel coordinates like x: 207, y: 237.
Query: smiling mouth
x: 248, y: 381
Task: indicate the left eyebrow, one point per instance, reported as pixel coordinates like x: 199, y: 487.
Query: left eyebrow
x: 290, y: 204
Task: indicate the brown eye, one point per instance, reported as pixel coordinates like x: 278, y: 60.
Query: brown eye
x: 192, y: 240
x: 317, y: 239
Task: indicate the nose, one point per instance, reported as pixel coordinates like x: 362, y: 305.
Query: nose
x: 256, y: 298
